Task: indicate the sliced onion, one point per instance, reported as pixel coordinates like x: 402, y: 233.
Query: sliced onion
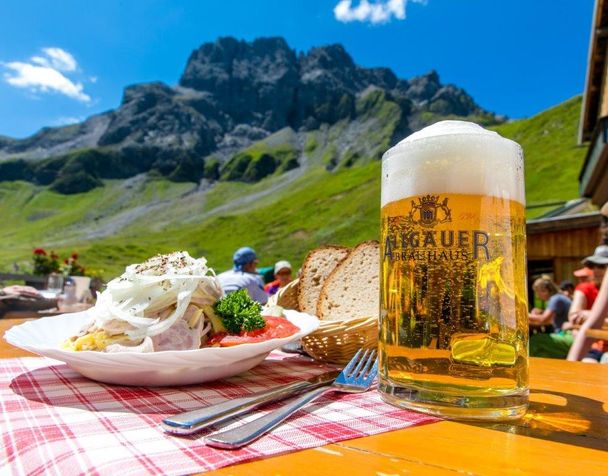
x: 144, y: 290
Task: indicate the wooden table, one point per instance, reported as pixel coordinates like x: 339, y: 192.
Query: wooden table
x: 564, y: 432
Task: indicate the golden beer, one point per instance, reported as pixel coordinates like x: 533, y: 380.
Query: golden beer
x: 453, y: 303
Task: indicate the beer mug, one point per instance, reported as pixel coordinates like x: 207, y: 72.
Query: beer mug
x: 453, y: 297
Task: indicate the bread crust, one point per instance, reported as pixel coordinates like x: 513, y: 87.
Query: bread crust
x: 309, y: 290
x: 345, y: 275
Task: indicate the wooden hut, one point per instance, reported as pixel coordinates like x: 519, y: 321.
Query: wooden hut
x: 594, y: 115
x: 557, y: 244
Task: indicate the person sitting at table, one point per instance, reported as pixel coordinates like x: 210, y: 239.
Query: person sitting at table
x: 585, y: 293
x: 18, y: 298
x: 546, y: 340
x: 583, y: 275
x: 556, y: 312
x: 282, y: 274
x: 566, y: 287
x: 243, y: 275
x: 581, y: 348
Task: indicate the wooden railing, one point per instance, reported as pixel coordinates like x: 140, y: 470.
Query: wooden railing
x: 598, y: 333
x: 28, y: 278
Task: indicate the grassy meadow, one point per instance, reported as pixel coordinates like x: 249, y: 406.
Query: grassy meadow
x: 282, y: 216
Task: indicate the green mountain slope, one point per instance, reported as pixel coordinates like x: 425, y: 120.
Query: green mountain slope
x: 553, y: 159
x: 282, y: 216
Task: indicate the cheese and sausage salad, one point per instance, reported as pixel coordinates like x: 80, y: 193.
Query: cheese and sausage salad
x: 165, y: 303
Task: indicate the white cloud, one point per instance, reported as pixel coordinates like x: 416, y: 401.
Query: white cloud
x: 57, y: 59
x: 380, y: 11
x: 45, y: 73
x: 67, y: 120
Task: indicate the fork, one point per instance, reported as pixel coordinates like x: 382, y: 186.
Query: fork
x: 356, y: 377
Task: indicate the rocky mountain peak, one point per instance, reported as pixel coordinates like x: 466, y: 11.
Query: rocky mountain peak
x: 147, y: 95
x: 252, y: 82
x: 422, y: 88
x: 234, y: 92
x: 330, y: 57
x: 220, y: 64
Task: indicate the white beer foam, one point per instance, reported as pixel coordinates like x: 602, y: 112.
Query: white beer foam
x: 453, y: 157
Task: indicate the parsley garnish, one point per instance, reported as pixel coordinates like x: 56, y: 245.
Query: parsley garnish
x: 239, y: 312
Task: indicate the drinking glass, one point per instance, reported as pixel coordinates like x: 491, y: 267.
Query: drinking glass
x: 453, y: 297
x: 54, y: 283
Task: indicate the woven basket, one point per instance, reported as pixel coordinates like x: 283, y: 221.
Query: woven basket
x: 286, y: 297
x: 336, y: 341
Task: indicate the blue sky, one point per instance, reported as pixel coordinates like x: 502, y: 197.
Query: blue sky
x: 62, y: 61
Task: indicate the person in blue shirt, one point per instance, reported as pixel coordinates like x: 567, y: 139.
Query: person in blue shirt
x: 243, y: 275
x: 556, y: 312
x: 546, y: 338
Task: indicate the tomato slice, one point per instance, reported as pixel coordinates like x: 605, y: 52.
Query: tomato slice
x: 276, y: 328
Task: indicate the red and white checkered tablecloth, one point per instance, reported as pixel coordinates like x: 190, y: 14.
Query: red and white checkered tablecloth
x: 54, y: 421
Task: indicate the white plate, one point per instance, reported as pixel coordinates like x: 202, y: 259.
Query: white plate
x: 44, y: 337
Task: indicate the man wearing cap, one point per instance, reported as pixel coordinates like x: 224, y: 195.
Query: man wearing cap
x: 282, y: 274
x: 585, y: 293
x: 243, y: 275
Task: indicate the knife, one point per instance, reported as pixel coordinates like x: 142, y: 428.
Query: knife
x: 190, y: 422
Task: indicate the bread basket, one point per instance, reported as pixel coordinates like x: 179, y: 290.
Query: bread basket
x: 335, y: 341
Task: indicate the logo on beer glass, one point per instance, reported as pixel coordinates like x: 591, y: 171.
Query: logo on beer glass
x: 428, y: 212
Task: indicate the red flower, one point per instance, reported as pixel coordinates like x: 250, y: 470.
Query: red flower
x: 39, y: 251
x: 74, y: 255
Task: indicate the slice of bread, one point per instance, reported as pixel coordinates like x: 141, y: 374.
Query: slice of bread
x: 319, y: 263
x: 352, y: 289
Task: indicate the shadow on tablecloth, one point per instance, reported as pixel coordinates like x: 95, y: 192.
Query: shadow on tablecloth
x: 58, y: 385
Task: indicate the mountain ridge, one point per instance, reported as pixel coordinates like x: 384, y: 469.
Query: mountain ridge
x: 232, y: 93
